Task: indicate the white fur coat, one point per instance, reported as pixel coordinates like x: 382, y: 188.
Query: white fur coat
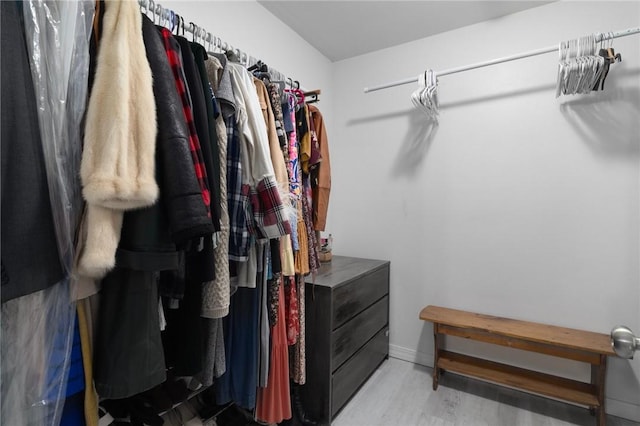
x: 118, y: 158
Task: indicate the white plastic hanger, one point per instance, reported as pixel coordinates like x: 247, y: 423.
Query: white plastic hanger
x: 425, y: 97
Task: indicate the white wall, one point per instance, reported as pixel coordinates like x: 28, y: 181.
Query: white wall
x: 248, y: 26
x: 518, y: 205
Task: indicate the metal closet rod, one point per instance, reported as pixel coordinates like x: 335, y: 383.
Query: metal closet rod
x: 199, y: 32
x: 616, y: 34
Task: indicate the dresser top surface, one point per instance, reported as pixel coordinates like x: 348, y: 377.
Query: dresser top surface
x: 343, y: 269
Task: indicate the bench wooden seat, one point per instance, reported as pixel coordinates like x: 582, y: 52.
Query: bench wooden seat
x: 577, y: 345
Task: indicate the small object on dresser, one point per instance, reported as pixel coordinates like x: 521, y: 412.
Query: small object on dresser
x: 325, y: 249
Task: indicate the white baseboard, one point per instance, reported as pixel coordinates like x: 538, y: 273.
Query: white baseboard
x: 623, y: 409
x: 411, y: 355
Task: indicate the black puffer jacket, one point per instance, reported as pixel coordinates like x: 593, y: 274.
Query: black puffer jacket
x: 151, y: 236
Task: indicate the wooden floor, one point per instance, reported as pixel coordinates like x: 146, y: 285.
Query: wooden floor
x: 399, y: 393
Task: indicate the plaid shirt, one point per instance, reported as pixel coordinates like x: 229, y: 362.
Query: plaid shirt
x: 268, y: 210
x: 175, y: 60
x: 237, y: 197
x: 269, y: 216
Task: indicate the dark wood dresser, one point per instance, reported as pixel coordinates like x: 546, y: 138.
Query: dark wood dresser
x: 347, y: 331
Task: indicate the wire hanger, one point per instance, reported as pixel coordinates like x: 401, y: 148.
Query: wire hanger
x: 194, y: 28
x: 157, y: 13
x: 208, y: 39
x: 173, y: 21
x: 150, y: 7
x: 144, y: 6
x: 203, y: 36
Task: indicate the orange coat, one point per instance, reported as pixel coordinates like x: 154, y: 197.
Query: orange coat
x: 322, y: 191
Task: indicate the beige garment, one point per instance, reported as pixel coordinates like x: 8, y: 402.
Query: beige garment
x: 118, y: 158
x: 287, y: 257
x: 85, y: 325
x: 83, y: 286
x: 322, y: 190
x: 280, y: 169
x: 98, y: 256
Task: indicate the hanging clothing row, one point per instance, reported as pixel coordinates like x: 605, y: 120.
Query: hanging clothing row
x: 205, y: 190
x: 170, y: 19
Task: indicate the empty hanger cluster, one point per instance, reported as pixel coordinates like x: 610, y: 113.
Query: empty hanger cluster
x: 584, y: 64
x: 425, y: 97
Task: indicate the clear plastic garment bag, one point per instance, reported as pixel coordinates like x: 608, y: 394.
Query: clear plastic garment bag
x: 37, y: 329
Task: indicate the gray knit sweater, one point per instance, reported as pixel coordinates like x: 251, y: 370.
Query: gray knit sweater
x: 216, y: 293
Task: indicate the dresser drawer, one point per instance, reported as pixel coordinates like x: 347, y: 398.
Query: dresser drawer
x: 347, y: 339
x: 348, y: 378
x: 355, y: 296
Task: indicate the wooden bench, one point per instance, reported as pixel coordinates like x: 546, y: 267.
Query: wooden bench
x: 577, y: 345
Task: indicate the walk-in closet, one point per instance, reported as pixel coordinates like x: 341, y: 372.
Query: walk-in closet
x: 314, y: 213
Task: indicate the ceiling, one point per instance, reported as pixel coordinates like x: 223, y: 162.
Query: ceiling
x: 343, y: 29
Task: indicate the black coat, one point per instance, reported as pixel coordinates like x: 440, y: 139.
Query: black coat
x: 199, y: 56
x: 151, y: 237
x: 202, y: 265
x: 30, y: 260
